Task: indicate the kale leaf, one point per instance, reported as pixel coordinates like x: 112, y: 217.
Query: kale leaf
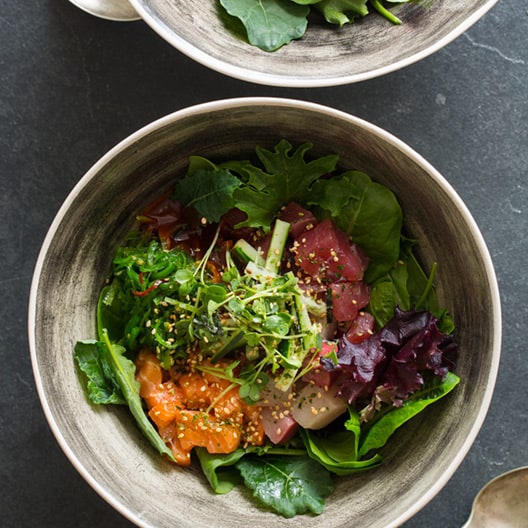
x: 289, y: 485
x: 286, y: 177
x: 210, y: 192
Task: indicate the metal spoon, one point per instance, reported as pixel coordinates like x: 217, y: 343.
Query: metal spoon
x: 118, y: 10
x: 502, y: 502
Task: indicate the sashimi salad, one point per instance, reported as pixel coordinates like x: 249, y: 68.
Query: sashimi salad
x: 269, y: 320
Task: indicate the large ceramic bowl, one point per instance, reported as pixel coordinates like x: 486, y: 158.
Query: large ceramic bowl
x: 104, y: 444
x: 325, y: 56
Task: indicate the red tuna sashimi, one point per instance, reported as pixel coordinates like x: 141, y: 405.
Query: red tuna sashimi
x: 362, y: 327
x: 348, y: 298
x: 325, y: 252
x: 299, y: 218
x: 279, y: 426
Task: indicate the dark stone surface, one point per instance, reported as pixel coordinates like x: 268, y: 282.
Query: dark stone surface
x: 73, y: 85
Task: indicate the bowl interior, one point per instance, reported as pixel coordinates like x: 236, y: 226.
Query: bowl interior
x: 104, y: 444
x: 326, y: 55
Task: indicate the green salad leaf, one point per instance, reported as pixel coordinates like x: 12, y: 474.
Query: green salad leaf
x: 269, y: 23
x: 406, y: 285
x: 210, y: 192
x: 290, y: 486
x: 286, y: 176
x: 220, y: 470
x: 119, y: 371
x: 385, y: 424
x: 338, y: 451
x: 102, y: 385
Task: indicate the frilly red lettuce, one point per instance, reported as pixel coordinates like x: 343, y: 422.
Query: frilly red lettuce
x: 391, y: 364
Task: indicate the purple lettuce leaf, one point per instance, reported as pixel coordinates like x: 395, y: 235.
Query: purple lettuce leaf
x: 394, y: 360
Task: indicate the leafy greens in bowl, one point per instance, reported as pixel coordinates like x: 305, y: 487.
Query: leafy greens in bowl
x: 108, y: 449
x: 320, y: 54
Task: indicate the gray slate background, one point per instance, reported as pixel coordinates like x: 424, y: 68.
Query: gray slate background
x: 73, y: 85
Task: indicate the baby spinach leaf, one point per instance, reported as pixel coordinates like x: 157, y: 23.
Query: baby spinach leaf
x: 290, y: 486
x: 209, y: 191
x: 382, y: 429
x: 368, y: 211
x: 389, y: 291
x: 337, y: 452
x: 408, y: 286
x: 269, y: 23
x: 286, y: 177
x: 219, y: 469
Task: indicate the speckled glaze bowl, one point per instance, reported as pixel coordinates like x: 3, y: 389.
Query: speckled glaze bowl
x: 326, y: 55
x: 104, y: 444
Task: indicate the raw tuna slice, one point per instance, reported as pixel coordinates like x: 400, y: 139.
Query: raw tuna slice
x: 279, y: 425
x: 299, y: 218
x: 326, y: 253
x: 348, y: 298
